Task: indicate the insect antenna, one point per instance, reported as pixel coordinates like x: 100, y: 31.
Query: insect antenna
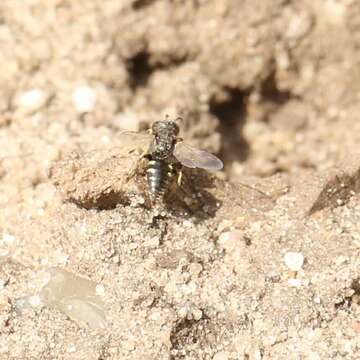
x: 177, y: 120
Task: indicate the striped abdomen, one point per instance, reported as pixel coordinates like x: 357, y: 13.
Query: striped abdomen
x: 159, y: 173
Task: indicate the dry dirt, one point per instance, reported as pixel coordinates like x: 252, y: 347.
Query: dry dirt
x: 272, y: 87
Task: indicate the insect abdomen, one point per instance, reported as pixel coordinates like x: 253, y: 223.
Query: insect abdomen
x: 159, y: 174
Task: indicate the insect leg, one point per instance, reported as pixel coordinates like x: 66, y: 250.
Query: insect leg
x: 180, y: 174
x: 135, y: 166
x: 133, y: 170
x: 177, y: 170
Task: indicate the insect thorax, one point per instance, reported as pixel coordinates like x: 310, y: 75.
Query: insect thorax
x: 161, y: 148
x: 165, y: 135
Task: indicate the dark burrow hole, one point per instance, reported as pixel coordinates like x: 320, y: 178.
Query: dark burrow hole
x: 107, y: 201
x: 138, y: 4
x: 354, y: 298
x: 139, y: 69
x: 355, y: 285
x: 205, y: 333
x: 186, y: 333
x: 270, y: 92
x: 232, y: 114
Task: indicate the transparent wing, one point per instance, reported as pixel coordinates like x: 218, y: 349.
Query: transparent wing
x: 196, y: 158
x: 130, y: 141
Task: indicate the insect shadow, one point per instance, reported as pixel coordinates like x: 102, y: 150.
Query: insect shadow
x: 195, y: 196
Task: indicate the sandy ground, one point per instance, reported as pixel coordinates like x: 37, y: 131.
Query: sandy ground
x: 261, y: 262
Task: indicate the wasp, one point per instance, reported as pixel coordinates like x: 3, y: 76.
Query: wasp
x: 166, y: 154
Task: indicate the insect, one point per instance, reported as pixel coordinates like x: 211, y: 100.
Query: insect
x: 166, y: 153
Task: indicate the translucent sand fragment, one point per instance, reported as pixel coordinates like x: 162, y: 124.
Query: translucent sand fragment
x: 27, y: 302
x: 75, y: 296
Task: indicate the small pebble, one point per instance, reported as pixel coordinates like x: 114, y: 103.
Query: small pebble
x: 294, y: 282
x: 341, y: 260
x: 155, y: 316
x: 220, y: 356
x: 100, y: 290
x: 294, y: 260
x: 195, y: 269
x: 84, y: 99
x: 72, y: 348
x: 129, y: 345
x: 197, y: 314
x: 314, y: 356
x: 335, y: 11
x: 35, y: 301
x: 2, y: 284
x: 187, y: 223
x: 4, y: 253
x: 27, y: 302
x: 32, y: 100
x: 189, y: 288
x: 183, y: 312
x: 257, y: 354
x: 8, y: 239
x: 270, y: 340
x: 230, y: 240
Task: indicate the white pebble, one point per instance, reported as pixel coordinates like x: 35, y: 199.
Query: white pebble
x: 255, y: 226
x: 72, y: 348
x: 294, y: 260
x: 314, y: 356
x: 195, y: 269
x: 197, y: 314
x: 335, y: 12
x: 230, y: 240
x: 183, y: 312
x: 294, y: 282
x: 8, y: 239
x: 155, y: 316
x: 187, y: 223
x: 100, y: 290
x: 26, y: 302
x: 220, y: 356
x: 189, y: 288
x: 84, y: 99
x: 4, y: 253
x: 32, y: 100
x: 35, y: 301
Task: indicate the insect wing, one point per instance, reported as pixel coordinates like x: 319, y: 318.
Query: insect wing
x: 130, y: 141
x: 196, y: 158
